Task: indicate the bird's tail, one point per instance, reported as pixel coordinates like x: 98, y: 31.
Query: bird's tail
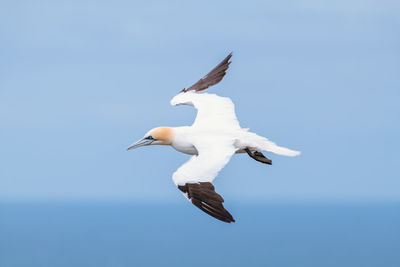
x: 272, y: 147
x: 261, y: 143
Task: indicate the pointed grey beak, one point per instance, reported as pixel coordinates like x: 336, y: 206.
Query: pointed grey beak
x: 142, y: 142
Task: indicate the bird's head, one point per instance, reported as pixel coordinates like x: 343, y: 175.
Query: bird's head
x: 156, y: 136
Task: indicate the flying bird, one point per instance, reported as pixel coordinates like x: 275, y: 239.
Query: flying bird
x: 212, y: 139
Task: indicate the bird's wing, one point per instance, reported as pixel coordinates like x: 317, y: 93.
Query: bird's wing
x: 212, y: 78
x: 195, y: 176
x: 214, y: 112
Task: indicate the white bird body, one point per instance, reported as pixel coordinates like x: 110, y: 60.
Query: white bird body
x: 184, y: 138
x: 212, y: 140
x: 217, y: 130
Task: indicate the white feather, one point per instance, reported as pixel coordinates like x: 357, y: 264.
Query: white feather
x: 213, y: 112
x: 213, y: 155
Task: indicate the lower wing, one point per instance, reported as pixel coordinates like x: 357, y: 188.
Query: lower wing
x: 195, y: 176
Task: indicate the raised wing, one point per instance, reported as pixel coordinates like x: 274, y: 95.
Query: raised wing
x: 195, y: 176
x: 212, y: 78
x: 214, y: 112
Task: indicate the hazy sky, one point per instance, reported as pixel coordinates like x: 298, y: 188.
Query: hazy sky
x: 81, y: 80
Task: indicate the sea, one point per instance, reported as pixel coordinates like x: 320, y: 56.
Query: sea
x: 72, y: 234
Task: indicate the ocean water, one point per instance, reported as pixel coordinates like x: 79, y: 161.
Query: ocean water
x: 272, y: 234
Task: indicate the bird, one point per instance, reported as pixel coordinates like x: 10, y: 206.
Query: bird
x: 213, y: 138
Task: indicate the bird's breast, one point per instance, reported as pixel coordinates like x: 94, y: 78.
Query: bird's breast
x: 185, y: 147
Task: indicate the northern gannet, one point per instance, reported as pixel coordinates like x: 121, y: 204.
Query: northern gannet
x: 212, y: 139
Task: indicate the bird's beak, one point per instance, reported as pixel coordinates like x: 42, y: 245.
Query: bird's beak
x: 141, y: 142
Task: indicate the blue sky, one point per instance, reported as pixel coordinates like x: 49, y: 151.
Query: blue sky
x: 81, y: 80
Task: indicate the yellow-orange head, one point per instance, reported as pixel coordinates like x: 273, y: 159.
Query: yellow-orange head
x: 156, y: 136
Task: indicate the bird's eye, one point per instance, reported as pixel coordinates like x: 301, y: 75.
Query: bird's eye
x: 150, y: 137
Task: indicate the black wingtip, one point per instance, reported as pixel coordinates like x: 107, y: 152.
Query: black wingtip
x: 213, y: 77
x: 203, y: 196
x: 229, y: 58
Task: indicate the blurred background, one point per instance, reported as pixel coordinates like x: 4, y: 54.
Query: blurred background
x: 82, y: 80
